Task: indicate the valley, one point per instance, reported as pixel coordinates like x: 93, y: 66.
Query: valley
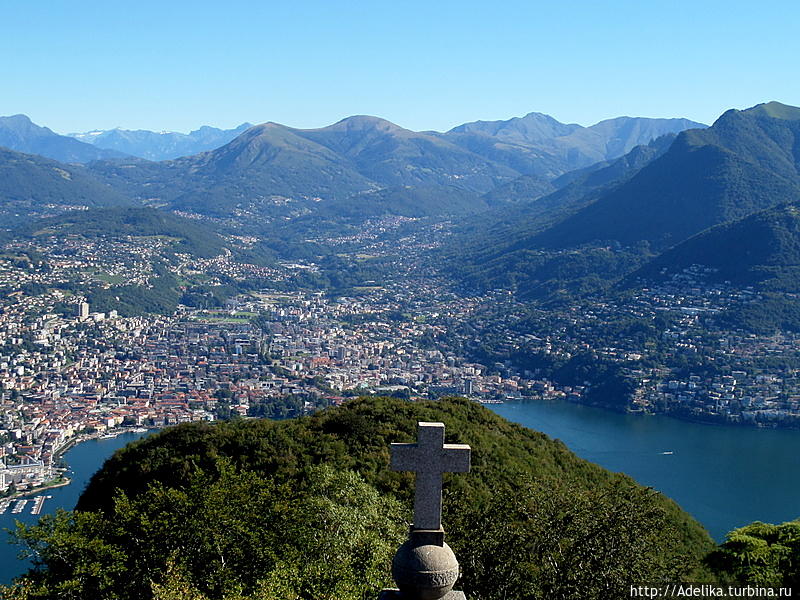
x: 159, y: 293
x: 399, y: 301
x: 370, y: 290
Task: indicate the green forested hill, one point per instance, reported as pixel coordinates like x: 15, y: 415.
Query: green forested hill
x: 762, y: 248
x: 258, y: 507
x: 178, y: 236
x: 31, y: 185
x: 354, y: 436
x: 745, y: 162
x: 192, y: 237
x: 393, y: 156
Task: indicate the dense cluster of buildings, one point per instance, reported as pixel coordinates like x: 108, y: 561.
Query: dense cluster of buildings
x: 367, y: 345
x: 93, y: 373
x: 679, y: 355
x: 64, y: 375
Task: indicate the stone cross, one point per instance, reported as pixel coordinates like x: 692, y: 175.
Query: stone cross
x: 429, y: 458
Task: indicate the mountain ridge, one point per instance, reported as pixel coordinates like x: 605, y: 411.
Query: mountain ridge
x: 273, y: 172
x: 152, y: 145
x: 31, y: 185
x: 270, y: 165
x: 618, y: 218
x: 741, y: 164
x: 19, y: 133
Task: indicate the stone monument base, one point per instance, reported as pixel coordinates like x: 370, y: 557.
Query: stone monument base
x: 395, y: 595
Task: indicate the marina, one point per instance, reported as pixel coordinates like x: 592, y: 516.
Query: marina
x: 38, y: 503
x: 84, y: 459
x: 19, y: 505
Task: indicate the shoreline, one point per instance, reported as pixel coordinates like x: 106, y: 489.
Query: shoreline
x: 677, y: 415
x: 64, y: 481
x: 17, y: 495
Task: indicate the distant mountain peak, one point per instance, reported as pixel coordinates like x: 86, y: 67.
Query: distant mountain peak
x: 624, y: 119
x: 22, y: 124
x: 208, y: 129
x: 533, y: 126
x: 20, y: 118
x: 161, y: 145
x: 264, y: 129
x: 19, y: 133
x: 776, y: 110
x: 538, y: 116
x: 363, y: 123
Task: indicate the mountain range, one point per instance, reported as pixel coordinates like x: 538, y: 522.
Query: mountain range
x: 557, y: 202
x: 19, y: 133
x: 355, y: 166
x: 538, y: 145
x: 272, y: 170
x: 628, y: 212
x: 163, y: 145
x: 745, y: 162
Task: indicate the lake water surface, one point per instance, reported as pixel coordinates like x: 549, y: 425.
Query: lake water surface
x: 724, y: 476
x: 84, y: 459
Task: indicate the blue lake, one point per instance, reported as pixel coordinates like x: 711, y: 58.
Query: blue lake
x: 724, y: 476
x: 84, y: 459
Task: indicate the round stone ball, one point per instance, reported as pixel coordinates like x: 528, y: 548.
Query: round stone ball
x: 424, y: 571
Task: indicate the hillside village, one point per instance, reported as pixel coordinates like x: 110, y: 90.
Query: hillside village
x: 278, y: 354
x: 68, y: 370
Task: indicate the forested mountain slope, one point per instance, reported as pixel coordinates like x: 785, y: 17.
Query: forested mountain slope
x: 610, y: 221
x: 33, y: 186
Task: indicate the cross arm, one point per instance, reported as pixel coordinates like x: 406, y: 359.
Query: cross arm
x: 403, y: 457
x: 456, y: 458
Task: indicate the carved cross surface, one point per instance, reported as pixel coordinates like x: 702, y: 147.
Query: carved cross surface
x: 429, y: 458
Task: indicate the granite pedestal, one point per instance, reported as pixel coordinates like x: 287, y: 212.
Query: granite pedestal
x: 396, y: 595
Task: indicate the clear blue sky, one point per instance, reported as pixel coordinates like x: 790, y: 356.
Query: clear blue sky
x: 75, y: 65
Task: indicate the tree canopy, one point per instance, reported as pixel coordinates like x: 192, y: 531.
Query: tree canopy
x: 308, y: 508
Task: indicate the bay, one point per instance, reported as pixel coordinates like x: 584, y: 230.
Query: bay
x: 83, y: 460
x: 724, y: 476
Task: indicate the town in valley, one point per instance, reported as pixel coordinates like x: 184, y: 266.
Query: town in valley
x: 69, y: 370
